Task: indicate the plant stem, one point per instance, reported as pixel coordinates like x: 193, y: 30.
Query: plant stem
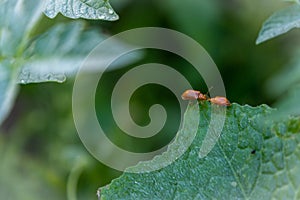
x: 73, y: 179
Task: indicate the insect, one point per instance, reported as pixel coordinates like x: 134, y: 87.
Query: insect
x: 221, y: 101
x: 193, y: 95
x: 197, y: 95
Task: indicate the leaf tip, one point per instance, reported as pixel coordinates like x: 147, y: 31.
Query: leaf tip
x: 259, y: 41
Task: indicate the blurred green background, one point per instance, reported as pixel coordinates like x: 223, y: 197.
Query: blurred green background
x: 41, y: 154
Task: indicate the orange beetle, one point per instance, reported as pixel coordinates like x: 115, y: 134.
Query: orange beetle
x: 221, y: 101
x: 193, y: 95
x: 202, y: 97
x: 190, y: 95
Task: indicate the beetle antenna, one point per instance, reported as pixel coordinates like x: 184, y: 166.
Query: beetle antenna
x: 209, y: 89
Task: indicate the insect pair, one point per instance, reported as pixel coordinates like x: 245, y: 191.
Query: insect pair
x: 197, y: 95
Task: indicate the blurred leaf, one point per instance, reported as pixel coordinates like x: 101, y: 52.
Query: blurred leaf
x: 8, y: 89
x: 285, y: 85
x: 280, y: 23
x: 285, y: 79
x: 60, y: 52
x: 17, y: 49
x: 254, y: 158
x: 88, y: 9
x: 17, y: 18
x: 51, y: 55
x: 288, y: 104
x: 13, y: 39
x: 56, y: 52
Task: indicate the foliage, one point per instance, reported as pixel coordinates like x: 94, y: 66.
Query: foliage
x: 27, y: 58
x: 280, y: 23
x: 41, y: 156
x: 88, y: 9
x: 254, y: 158
x: 286, y: 82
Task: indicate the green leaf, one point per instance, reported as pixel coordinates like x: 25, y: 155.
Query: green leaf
x: 13, y: 39
x: 59, y: 53
x: 49, y: 57
x: 88, y: 9
x: 52, y: 55
x: 280, y: 23
x: 254, y: 158
x: 8, y: 88
x: 17, y: 18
